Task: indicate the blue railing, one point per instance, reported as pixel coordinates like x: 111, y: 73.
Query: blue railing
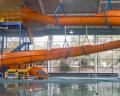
x: 24, y: 44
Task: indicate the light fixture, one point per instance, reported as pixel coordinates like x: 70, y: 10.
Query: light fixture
x: 71, y: 32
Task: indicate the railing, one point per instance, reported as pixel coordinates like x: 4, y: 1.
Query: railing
x: 85, y: 70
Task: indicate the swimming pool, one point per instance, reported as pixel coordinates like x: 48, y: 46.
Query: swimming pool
x: 61, y: 86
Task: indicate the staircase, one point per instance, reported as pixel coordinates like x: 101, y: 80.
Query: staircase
x: 24, y: 44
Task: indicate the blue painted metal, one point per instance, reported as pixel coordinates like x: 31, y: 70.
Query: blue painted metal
x: 108, y: 5
x: 10, y: 24
x: 14, y: 25
x: 2, y: 41
x: 27, y: 46
x: 20, y: 37
x: 21, y: 46
x: 27, y: 35
x: 59, y: 8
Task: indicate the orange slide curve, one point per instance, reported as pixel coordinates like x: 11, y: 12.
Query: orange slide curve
x: 39, y: 72
x: 26, y: 57
x: 94, y: 20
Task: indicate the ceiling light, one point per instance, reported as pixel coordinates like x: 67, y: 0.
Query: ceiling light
x: 71, y: 32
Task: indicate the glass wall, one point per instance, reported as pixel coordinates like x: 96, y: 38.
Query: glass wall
x: 107, y: 62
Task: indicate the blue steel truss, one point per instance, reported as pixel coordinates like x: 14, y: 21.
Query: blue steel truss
x: 14, y: 25
x: 58, y: 9
x: 108, y: 6
x: 24, y: 44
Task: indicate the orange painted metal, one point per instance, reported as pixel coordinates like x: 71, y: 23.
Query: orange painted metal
x: 28, y: 15
x: 92, y: 20
x: 26, y: 57
x: 95, y: 20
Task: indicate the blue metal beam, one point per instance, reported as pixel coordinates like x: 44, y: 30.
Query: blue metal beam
x: 2, y: 41
x: 20, y: 37
x: 10, y: 24
x: 108, y: 5
x: 59, y: 8
x: 21, y: 46
x: 20, y: 27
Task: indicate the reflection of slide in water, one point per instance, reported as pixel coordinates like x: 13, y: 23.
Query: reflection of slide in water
x: 22, y: 86
x: 11, y: 86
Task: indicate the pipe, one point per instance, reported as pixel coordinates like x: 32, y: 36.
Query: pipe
x: 26, y: 57
x: 92, y: 20
x: 95, y: 20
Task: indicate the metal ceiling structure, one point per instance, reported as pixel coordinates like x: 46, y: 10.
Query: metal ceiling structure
x: 70, y: 31
x: 73, y: 7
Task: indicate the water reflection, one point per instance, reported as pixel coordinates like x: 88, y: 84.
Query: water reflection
x: 56, y: 89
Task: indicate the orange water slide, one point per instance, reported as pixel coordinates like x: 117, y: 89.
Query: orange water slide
x: 39, y: 72
x: 94, y: 20
x: 26, y: 57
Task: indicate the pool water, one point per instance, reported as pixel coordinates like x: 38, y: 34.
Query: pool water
x: 101, y: 88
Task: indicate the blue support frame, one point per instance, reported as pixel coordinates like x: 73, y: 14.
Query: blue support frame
x: 2, y: 41
x: 19, y: 26
x: 59, y: 8
x: 20, y: 36
x: 108, y: 5
x: 10, y: 25
x: 28, y: 45
x: 24, y: 45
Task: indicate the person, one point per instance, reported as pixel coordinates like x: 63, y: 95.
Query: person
x: 1, y: 68
x: 4, y: 69
x: 1, y: 71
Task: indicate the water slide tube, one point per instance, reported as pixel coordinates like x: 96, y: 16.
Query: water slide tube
x: 26, y: 57
x: 92, y: 20
x: 39, y: 72
x: 113, y: 18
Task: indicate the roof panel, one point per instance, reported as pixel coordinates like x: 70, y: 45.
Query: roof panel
x: 33, y: 4
x: 11, y: 6
x: 72, y: 6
